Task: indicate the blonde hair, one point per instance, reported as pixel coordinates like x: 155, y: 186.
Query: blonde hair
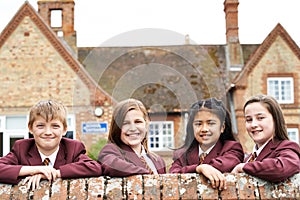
x: 49, y: 110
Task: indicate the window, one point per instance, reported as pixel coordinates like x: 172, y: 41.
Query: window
x: 281, y: 88
x: 293, y: 134
x: 161, y: 135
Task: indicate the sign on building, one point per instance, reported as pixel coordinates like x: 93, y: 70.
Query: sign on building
x: 94, y: 127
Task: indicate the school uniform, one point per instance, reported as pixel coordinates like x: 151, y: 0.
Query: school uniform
x: 123, y: 161
x: 70, y: 160
x: 277, y: 161
x: 223, y: 156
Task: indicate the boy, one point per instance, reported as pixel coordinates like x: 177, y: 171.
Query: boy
x: 47, y: 155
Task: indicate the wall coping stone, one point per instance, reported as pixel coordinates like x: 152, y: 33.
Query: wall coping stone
x: 165, y: 186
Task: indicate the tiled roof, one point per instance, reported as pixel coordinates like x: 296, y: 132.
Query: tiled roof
x: 165, y: 78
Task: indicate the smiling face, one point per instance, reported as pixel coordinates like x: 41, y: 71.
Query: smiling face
x: 133, y: 129
x: 259, y: 123
x: 47, y: 134
x: 207, y: 129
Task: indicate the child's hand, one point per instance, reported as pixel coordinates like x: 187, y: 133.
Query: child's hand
x: 216, y: 178
x: 49, y: 172
x: 37, y: 173
x: 238, y: 168
x: 33, y: 181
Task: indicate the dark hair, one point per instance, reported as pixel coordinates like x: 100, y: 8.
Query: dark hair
x: 274, y: 109
x: 119, y: 113
x: 212, y: 105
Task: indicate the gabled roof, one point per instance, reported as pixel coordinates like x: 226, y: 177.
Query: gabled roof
x: 98, y: 95
x: 278, y: 31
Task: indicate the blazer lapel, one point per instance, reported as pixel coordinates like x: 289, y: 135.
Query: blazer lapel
x: 60, y: 158
x: 193, y: 155
x: 215, y: 152
x: 131, y: 156
x: 34, y: 156
x: 268, y: 149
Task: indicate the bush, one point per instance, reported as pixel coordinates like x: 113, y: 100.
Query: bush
x: 95, y: 148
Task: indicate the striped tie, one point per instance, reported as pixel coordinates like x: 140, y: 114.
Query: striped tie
x: 202, y: 157
x: 146, y: 165
x: 46, y: 162
x: 252, y: 157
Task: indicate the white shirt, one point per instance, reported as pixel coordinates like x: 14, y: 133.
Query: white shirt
x: 52, y: 157
x: 207, y: 151
x: 148, y: 160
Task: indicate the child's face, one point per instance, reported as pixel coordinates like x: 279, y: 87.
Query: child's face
x: 47, y: 135
x: 259, y: 123
x: 133, y: 129
x: 207, y: 129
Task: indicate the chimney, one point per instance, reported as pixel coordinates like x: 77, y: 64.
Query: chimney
x: 234, y: 49
x: 59, y: 15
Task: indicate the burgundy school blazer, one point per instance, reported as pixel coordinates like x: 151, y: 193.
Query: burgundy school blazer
x: 277, y: 161
x: 71, y: 160
x: 223, y: 157
x: 122, y: 161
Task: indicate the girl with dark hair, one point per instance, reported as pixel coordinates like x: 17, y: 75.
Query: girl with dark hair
x: 274, y: 157
x: 210, y: 147
x: 127, y: 150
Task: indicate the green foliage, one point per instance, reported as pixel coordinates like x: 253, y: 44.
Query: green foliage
x: 96, y: 148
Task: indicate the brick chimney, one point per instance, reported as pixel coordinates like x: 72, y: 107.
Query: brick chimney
x: 59, y: 15
x: 234, y: 50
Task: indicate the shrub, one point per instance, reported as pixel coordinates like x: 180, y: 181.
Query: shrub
x: 96, y: 148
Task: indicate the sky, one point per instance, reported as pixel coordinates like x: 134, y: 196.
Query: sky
x: 167, y: 22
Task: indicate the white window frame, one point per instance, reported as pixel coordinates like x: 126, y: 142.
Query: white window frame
x: 24, y: 133
x: 280, y: 90
x: 165, y: 142
x: 11, y: 133
x: 295, y: 138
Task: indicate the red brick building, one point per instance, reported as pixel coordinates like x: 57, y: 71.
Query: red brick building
x: 41, y: 61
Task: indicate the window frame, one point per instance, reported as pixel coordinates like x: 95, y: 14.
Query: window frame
x: 296, y: 131
x: 281, y: 80
x: 164, y: 145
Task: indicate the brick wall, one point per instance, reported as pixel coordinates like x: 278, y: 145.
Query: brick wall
x: 166, y: 186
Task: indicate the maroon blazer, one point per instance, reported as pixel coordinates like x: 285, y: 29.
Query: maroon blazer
x: 277, y: 161
x: 122, y: 161
x: 223, y: 157
x: 71, y: 160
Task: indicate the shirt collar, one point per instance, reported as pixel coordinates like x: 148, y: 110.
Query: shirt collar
x: 207, y: 151
x: 52, y: 157
x: 258, y: 150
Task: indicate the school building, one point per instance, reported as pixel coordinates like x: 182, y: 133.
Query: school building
x: 41, y: 61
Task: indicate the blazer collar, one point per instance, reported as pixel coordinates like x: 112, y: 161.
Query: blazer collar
x: 193, y: 153
x: 272, y: 144
x: 61, y: 156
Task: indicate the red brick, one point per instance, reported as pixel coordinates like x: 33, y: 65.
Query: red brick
x: 230, y: 192
x: 188, y: 186
x: 134, y: 187
x: 78, y: 189
x: 170, y: 186
x: 42, y: 192
x: 59, y: 189
x: 205, y: 189
x: 152, y: 187
x: 96, y: 188
x: 5, y: 191
x: 114, y: 188
x: 246, y: 186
